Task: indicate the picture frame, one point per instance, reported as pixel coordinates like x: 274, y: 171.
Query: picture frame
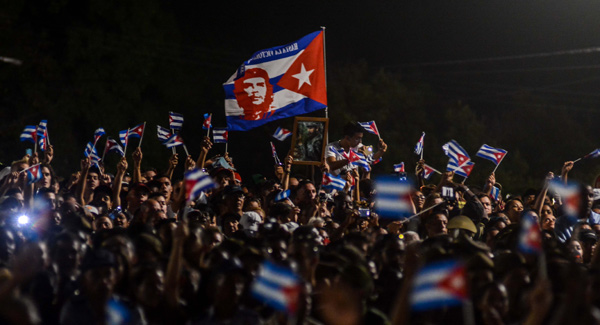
x: 309, y: 140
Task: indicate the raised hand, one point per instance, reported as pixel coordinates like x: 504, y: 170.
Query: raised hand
x: 173, y: 161
x: 137, y: 156
x: 48, y: 155
x: 189, y: 163
x: 122, y: 165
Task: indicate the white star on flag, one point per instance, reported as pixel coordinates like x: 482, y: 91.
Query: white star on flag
x: 303, y: 77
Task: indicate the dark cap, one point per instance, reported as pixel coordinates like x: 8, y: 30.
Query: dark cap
x: 140, y: 187
x: 98, y: 258
x: 232, y: 189
x: 587, y: 235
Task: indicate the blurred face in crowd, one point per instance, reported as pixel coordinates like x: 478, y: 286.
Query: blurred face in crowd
x: 99, y: 282
x: 436, y: 225
x: 487, y: 204
x: 150, y: 291
x: 102, y: 223
x: 235, y: 201
x: 165, y: 187
x: 121, y: 220
x: 307, y: 193
x: 355, y: 140
x: 162, y: 202
x: 230, y: 225
x: 19, y: 167
x: 46, y: 180
x: 93, y: 180
x: 418, y: 199
x: 513, y: 210
x: 548, y: 218
x: 576, y: 250
x: 149, y: 175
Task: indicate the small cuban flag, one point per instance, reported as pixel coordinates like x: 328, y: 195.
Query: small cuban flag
x: 98, y: 134
x: 393, y: 198
x: 495, y: 193
x: 207, y: 121
x: 438, y: 285
x: 492, y: 154
x: 283, y: 195
x: 428, y: 171
x: 593, y: 154
x: 136, y: 131
x: 124, y: 136
x: 278, y: 287
x: 113, y: 146
x: 175, y: 121
x: 464, y: 170
x: 333, y: 182
x: 34, y: 174
x: 174, y: 141
x: 399, y: 168
x: 196, y: 182
x: 530, y: 236
x: 220, y: 135
x: 362, y: 162
x: 570, y: 196
x: 163, y: 133
x: 419, y: 145
x: 370, y: 127
x: 90, y: 149
x: 29, y: 133
x: 282, y: 134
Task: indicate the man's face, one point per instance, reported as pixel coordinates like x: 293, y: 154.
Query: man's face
x: 356, y: 139
x: 149, y: 174
x: 93, y: 180
x: 46, y: 178
x: 162, y: 202
x: 19, y: 167
x: 165, y: 186
x: 487, y: 204
x: 256, y: 89
x: 437, y: 225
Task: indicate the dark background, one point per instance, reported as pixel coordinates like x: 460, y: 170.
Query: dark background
x: 477, y: 72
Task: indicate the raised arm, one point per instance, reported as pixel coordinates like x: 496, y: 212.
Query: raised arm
x: 489, y: 183
x: 82, y: 182
x: 564, y: 173
x: 137, y: 162
x: 382, y: 149
x: 173, y: 161
x: 206, y: 145
x: 287, y: 169
x: 118, y: 182
x: 539, y: 200
x: 48, y: 155
x: 419, y: 173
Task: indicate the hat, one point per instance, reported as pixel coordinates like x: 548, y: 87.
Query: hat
x: 232, y: 189
x: 250, y: 220
x: 462, y: 222
x: 98, y: 258
x: 140, y: 187
x: 237, y: 176
x: 587, y: 235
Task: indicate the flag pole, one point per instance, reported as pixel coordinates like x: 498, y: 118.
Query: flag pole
x: 104, y: 152
x: 576, y: 160
x: 185, y: 149
x: 126, y: 142
x: 208, y: 128
x: 423, y: 145
x: 35, y: 142
x: 226, y: 143
x: 142, y: 137
x: 325, y: 70
x: 173, y: 148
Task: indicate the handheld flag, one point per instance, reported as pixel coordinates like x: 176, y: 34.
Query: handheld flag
x: 34, y: 174
x: 196, y: 182
x: 275, y: 83
x: 419, y: 145
x: 570, y: 196
x: 163, y: 133
x: 136, y: 131
x: 351, y: 157
x: 495, y: 193
x: 124, y: 137
x: 492, y: 154
x: 29, y: 134
x: 89, y: 149
x: 207, y: 121
x: 362, y: 162
x: 428, y: 171
x: 333, y: 182
x: 281, y: 134
x: 439, y: 284
x: 98, y: 134
x: 593, y: 154
x: 278, y: 287
x: 455, y: 152
x: 220, y: 135
x: 399, y: 168
x: 530, y: 236
x: 464, y: 170
x: 274, y: 152
x: 175, y: 121
x: 113, y: 146
x: 282, y: 196
x: 370, y: 127
x: 174, y: 141
x: 393, y: 198
x: 42, y: 134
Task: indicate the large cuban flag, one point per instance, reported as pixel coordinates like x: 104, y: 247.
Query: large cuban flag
x: 279, y: 82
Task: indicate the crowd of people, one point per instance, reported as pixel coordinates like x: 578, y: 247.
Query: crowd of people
x: 131, y: 248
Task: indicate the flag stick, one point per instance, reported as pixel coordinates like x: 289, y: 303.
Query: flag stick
x: 28, y: 168
x: 208, y: 128
x: 576, y: 160
x: 464, y: 179
x: 226, y: 143
x: 185, y: 149
x: 142, y: 137
x: 126, y: 142
x: 104, y: 152
x: 422, y: 211
x: 173, y: 148
x: 35, y: 142
x: 325, y: 71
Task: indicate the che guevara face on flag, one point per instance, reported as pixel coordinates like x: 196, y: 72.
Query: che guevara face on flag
x: 254, y: 94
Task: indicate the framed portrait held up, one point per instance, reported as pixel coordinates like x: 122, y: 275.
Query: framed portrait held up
x: 309, y: 140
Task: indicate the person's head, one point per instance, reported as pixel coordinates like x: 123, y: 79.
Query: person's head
x: 418, y: 199
x: 148, y: 285
x: 254, y: 93
x: 137, y: 195
x: 102, y: 222
x: 66, y: 252
x: 250, y: 220
x: 165, y: 186
x: 160, y: 198
x: 436, y: 223
x: 575, y: 248
x: 99, y: 274
x: 19, y: 165
x: 93, y: 178
x: 513, y: 209
x: 547, y: 218
x: 229, y: 224
x: 353, y: 134
x: 47, y: 177
x: 233, y: 198
x: 306, y: 192
x: 149, y: 174
x: 587, y: 200
x: 102, y: 194
x: 121, y: 219
x: 486, y: 202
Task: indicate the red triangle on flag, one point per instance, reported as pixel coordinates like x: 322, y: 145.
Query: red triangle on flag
x: 468, y: 169
x: 455, y: 283
x: 306, y: 75
x: 461, y: 158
